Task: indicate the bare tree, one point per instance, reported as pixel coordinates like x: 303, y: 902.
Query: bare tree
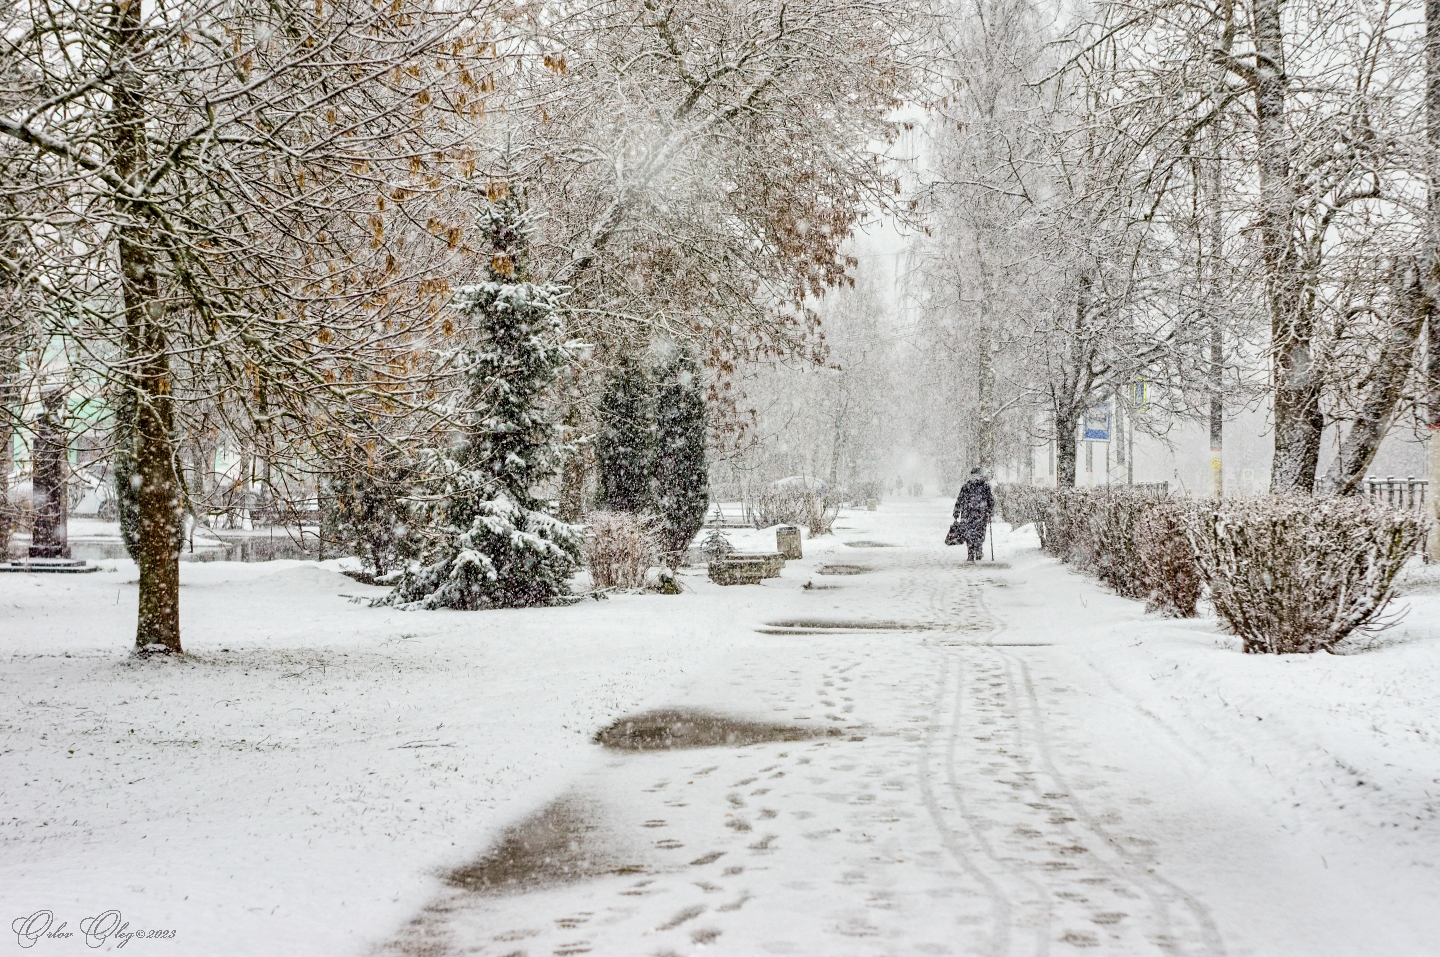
x: 1308, y: 106
x: 232, y: 193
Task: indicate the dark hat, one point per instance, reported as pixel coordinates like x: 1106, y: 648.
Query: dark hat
x: 975, y: 470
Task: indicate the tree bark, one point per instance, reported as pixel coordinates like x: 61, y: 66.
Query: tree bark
x: 147, y: 366
x: 9, y: 405
x: 1299, y: 421
x: 1066, y: 447
x: 985, y: 371
x: 49, y: 535
x: 1216, y: 241
x: 1430, y: 258
x: 1386, y: 385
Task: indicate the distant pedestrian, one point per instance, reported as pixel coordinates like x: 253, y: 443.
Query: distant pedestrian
x: 973, y: 508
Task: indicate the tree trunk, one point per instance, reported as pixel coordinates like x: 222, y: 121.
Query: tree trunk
x: 158, y: 493
x: 147, y: 365
x: 985, y: 386
x: 9, y: 405
x: 1386, y: 385
x: 1298, y: 418
x: 1066, y: 447
x: 985, y: 372
x: 1430, y: 258
x: 1217, y: 409
x: 49, y: 487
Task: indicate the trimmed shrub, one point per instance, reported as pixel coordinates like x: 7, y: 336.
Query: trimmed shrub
x: 619, y: 550
x: 1112, y: 518
x: 1022, y: 504
x: 1292, y: 574
x: 1172, y: 580
x: 1287, y: 574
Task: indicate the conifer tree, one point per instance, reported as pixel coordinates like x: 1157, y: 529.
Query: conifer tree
x: 625, y: 445
x: 499, y: 546
x: 682, y: 484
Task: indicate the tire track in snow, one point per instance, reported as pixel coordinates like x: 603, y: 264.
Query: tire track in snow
x: 1001, y: 918
x: 1200, y: 935
x: 1160, y: 890
x: 1014, y: 891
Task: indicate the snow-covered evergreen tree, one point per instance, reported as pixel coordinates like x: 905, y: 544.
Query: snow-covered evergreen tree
x: 500, y: 546
x: 682, y: 483
x: 625, y: 444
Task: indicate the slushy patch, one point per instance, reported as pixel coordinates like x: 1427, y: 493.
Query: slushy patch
x: 559, y: 844
x: 668, y: 730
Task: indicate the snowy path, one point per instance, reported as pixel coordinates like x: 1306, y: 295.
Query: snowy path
x: 968, y: 808
x: 1002, y: 760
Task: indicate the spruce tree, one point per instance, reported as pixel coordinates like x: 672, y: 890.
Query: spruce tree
x: 625, y: 443
x: 499, y: 545
x: 682, y: 484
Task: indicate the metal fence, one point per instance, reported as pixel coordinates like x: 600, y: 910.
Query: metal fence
x: 1408, y: 492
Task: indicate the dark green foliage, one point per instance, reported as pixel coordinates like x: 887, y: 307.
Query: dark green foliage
x: 509, y: 557
x: 497, y: 546
x: 682, y: 482
x: 625, y: 447
x: 364, y: 510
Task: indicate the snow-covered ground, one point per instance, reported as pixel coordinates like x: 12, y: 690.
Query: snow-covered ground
x: 1020, y: 763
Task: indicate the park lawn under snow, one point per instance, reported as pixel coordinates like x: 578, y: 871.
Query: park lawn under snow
x: 302, y: 779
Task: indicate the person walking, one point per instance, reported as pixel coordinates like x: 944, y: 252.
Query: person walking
x: 973, y: 508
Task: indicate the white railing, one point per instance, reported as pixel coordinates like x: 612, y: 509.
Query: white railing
x: 1408, y: 492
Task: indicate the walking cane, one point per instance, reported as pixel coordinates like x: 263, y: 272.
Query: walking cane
x: 992, y: 536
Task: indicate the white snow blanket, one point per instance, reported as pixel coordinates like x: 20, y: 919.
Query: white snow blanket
x: 1021, y: 763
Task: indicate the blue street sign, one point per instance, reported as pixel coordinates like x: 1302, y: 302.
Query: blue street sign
x: 1097, y: 422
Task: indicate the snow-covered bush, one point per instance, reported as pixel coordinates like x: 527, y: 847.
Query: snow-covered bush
x: 1065, y: 527
x: 1171, y: 577
x: 1022, y: 504
x: 1113, y: 516
x: 716, y: 545
x: 1294, y: 574
x: 620, y: 549
x: 1132, y: 539
x: 820, y: 513
x: 509, y: 557
x: 793, y: 501
x: 363, y: 510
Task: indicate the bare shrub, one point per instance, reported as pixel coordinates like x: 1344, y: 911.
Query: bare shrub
x: 820, y: 514
x: 1022, y: 504
x: 1112, y: 517
x: 1172, y: 580
x: 619, y: 549
x: 792, y: 502
x: 1293, y: 574
x: 1068, y: 531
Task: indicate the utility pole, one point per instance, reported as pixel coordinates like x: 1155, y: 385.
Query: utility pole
x: 1130, y: 452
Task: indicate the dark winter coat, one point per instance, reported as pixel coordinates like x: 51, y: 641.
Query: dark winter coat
x: 973, y: 508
